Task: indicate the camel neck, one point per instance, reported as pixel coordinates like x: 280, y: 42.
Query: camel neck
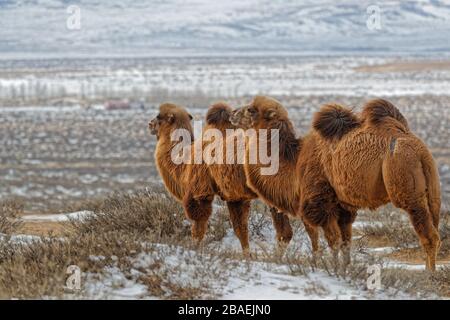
x: 165, y: 147
x: 274, y: 187
x: 289, y: 144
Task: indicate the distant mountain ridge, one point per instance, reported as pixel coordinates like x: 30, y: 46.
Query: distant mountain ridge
x: 138, y: 26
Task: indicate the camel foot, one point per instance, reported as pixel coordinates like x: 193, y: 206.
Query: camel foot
x: 247, y: 255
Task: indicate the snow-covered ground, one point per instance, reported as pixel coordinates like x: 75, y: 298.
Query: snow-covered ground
x: 63, y: 217
x: 215, y: 272
x: 20, y: 238
x: 251, y: 280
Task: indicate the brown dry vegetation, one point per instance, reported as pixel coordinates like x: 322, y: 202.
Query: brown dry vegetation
x: 9, y: 211
x: 409, y: 66
x: 125, y: 223
x: 119, y: 230
x: 391, y: 228
x: 37, y: 269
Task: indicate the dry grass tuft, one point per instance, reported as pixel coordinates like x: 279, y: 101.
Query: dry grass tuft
x: 154, y: 216
x: 444, y: 230
x: 121, y: 224
x: 9, y: 211
x: 392, y: 227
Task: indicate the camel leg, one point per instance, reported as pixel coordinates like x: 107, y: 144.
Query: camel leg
x: 239, y: 214
x: 422, y: 222
x: 428, y: 235
x: 345, y: 221
x: 333, y: 235
x: 198, y: 211
x: 319, y: 211
x: 313, y: 233
x: 406, y: 185
x: 282, y: 227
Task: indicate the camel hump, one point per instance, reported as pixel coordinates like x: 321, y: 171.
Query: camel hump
x: 377, y: 110
x: 218, y: 113
x: 333, y: 121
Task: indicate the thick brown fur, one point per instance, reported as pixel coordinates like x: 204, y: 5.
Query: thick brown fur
x: 190, y: 184
x: 334, y: 121
x: 194, y: 186
x: 378, y: 110
x: 218, y: 115
x: 231, y: 181
x: 381, y: 161
x: 288, y: 189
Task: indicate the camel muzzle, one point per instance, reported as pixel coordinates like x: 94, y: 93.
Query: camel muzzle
x: 152, y: 126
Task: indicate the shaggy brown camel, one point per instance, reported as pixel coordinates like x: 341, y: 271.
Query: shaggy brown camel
x: 193, y: 185
x: 298, y: 179
x: 230, y: 180
x: 190, y: 184
x: 326, y: 189
x: 375, y: 159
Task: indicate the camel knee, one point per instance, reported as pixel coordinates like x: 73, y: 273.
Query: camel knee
x: 282, y: 226
x: 423, y: 224
x: 286, y: 236
x: 198, y: 229
x: 345, y: 222
x: 198, y: 209
x: 239, y: 214
x: 313, y: 233
x: 318, y: 212
x: 315, y: 214
x: 431, y: 242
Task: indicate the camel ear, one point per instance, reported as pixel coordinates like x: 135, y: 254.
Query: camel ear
x: 170, y: 118
x: 190, y: 116
x: 270, y: 114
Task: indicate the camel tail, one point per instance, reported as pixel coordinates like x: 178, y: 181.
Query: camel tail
x: 433, y: 187
x: 377, y: 110
x: 333, y: 121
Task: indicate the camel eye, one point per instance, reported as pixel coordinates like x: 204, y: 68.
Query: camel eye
x: 158, y: 117
x: 271, y: 114
x: 251, y: 110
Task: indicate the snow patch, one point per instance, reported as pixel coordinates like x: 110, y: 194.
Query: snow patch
x: 63, y: 217
x: 20, y: 238
x: 249, y: 280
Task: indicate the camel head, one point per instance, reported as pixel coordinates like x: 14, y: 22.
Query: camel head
x: 267, y: 113
x: 262, y: 113
x: 219, y: 116
x: 169, y: 118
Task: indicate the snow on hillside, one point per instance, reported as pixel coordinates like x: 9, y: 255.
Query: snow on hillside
x: 214, y: 77
x: 141, y: 26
